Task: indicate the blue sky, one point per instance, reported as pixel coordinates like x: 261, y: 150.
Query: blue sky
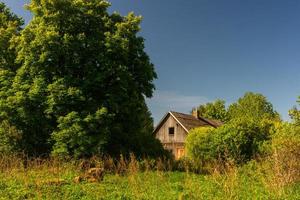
x: 209, y: 49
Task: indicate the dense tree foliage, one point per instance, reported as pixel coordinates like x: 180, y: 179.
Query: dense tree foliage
x: 238, y: 141
x: 286, y: 134
x: 252, y: 106
x: 249, y: 125
x: 200, y: 145
x: 78, y: 82
x: 241, y: 140
x: 10, y: 27
x: 214, y: 110
x: 295, y: 114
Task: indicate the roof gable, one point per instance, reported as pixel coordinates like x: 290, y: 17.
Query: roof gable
x: 187, y: 122
x: 164, y: 119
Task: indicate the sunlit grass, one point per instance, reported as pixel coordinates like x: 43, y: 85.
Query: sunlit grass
x: 54, y: 179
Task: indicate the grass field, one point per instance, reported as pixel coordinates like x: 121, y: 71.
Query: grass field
x: 55, y: 180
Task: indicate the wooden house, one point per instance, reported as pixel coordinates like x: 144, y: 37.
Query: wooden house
x: 174, y: 127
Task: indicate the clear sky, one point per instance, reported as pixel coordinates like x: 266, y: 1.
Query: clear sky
x: 209, y: 49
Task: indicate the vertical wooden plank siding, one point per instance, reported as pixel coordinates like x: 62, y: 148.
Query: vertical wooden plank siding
x: 173, y: 143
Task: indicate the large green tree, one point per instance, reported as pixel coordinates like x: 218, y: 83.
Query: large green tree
x: 251, y: 124
x: 214, y: 110
x: 252, y: 106
x: 82, y: 81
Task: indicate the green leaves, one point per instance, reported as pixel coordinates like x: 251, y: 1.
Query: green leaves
x: 78, y: 79
x: 199, y: 144
x: 214, y: 110
x: 79, y: 135
x: 10, y: 27
x: 253, y: 106
x: 9, y: 138
x: 62, y: 99
x: 237, y: 140
x: 249, y: 125
x: 295, y: 114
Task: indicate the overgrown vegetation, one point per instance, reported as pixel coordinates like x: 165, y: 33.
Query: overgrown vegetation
x: 251, y: 123
x: 73, y: 84
x: 254, y: 139
x: 272, y: 178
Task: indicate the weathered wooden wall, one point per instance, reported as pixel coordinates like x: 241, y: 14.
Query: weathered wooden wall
x: 171, y: 143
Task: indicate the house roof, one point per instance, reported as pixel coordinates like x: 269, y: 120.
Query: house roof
x: 189, y: 122
x: 214, y: 122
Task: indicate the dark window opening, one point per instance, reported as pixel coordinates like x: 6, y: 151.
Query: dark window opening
x: 171, y: 131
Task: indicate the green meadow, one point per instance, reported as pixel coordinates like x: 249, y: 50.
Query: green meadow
x: 55, y: 180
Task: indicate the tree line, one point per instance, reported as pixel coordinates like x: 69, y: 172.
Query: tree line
x: 252, y: 128
x: 73, y: 82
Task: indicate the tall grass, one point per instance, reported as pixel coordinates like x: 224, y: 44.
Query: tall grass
x: 274, y: 177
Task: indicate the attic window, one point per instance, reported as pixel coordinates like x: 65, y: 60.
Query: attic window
x: 171, y: 131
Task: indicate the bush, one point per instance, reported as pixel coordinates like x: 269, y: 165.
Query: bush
x: 10, y: 138
x: 186, y: 164
x: 238, y: 141
x: 199, y: 144
x: 241, y: 140
x: 286, y: 153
